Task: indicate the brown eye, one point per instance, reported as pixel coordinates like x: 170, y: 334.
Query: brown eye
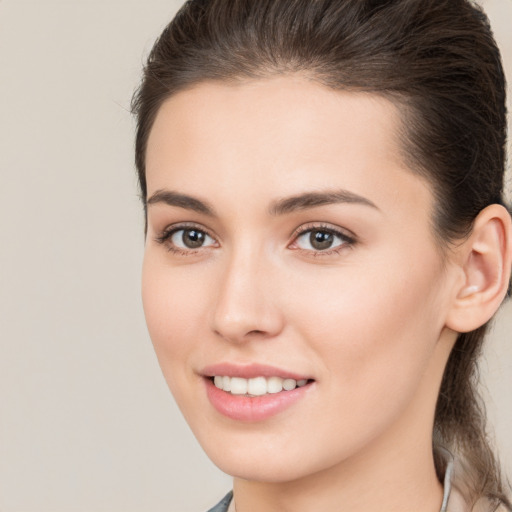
x: 321, y: 239
x: 191, y: 239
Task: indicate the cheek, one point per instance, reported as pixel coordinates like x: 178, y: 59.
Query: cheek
x: 172, y: 311
x: 374, y: 327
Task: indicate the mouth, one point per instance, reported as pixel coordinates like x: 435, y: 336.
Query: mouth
x: 257, y: 386
x: 253, y: 393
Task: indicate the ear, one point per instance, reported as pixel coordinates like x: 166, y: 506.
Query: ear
x: 485, y: 260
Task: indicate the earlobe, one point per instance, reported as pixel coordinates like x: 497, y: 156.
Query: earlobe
x: 485, y: 260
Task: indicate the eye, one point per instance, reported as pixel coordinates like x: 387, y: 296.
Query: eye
x: 185, y: 240
x: 190, y: 238
x: 321, y: 239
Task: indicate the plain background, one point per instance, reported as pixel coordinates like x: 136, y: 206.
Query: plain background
x: 86, y: 420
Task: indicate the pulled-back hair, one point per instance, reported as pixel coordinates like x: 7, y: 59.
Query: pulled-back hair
x: 437, y: 61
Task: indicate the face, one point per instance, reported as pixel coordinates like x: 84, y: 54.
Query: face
x: 292, y: 285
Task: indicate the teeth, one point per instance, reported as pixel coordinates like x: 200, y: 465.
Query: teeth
x: 274, y: 385
x: 257, y: 386
x: 289, y: 384
x: 238, y: 386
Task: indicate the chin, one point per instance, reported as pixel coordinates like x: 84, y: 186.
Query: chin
x: 260, y: 458
x: 267, y: 471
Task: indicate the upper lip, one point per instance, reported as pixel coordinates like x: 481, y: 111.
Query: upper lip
x: 249, y: 371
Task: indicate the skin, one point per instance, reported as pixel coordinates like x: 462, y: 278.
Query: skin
x: 367, y: 320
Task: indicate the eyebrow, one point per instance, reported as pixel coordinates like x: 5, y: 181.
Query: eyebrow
x: 314, y: 199
x: 279, y: 207
x: 182, y: 201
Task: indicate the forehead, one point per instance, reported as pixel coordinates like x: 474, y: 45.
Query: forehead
x: 287, y: 133
x: 289, y: 111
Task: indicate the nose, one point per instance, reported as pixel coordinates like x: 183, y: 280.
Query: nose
x: 246, y: 305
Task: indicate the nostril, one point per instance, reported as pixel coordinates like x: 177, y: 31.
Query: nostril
x: 255, y: 332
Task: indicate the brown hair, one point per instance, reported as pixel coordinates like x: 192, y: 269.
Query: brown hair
x: 436, y: 60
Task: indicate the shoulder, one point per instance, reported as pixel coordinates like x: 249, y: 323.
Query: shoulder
x: 223, y: 504
x: 457, y: 503
x: 485, y: 505
x: 461, y: 485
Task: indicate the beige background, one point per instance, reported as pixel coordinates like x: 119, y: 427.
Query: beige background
x: 86, y: 421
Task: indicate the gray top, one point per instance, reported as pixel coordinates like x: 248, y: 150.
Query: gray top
x: 223, y: 504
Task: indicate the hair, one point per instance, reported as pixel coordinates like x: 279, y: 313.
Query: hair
x: 437, y: 61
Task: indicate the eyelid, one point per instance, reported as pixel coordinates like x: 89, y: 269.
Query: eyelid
x: 311, y: 226
x: 166, y: 234
x: 348, y: 237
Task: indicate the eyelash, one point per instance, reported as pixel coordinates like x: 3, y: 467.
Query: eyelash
x: 348, y: 241
x: 168, y: 232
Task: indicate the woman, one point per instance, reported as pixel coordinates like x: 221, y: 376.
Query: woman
x: 326, y: 243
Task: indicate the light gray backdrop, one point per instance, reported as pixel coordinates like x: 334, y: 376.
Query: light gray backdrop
x: 86, y: 421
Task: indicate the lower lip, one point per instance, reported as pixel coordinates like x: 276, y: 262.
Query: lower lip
x: 252, y: 409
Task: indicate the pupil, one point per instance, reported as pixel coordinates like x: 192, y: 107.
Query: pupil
x: 321, y: 240
x: 193, y: 238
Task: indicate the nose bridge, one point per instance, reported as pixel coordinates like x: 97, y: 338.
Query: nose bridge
x: 244, y: 306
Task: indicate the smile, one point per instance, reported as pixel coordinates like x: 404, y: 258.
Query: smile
x: 257, y: 386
